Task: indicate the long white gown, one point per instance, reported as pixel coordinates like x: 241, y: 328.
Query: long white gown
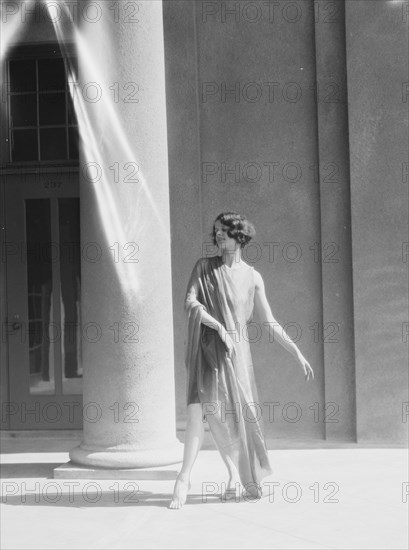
x: 225, y: 387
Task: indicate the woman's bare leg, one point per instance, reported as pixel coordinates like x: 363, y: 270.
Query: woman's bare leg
x: 193, y: 442
x: 233, y: 487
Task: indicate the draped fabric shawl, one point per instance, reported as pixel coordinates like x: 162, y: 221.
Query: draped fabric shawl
x: 225, y: 387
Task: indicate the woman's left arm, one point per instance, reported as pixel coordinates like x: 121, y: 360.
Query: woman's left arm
x: 263, y: 311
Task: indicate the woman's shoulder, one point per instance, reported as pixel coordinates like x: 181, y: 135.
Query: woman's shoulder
x: 258, y: 279
x: 203, y: 263
x: 206, y: 260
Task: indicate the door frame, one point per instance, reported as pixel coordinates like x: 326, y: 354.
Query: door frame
x: 43, y: 183
x: 54, y: 169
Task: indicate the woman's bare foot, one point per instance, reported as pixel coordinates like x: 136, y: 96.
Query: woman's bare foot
x: 252, y: 492
x: 182, y: 486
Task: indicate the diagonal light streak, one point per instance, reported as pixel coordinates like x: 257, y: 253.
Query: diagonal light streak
x: 91, y: 148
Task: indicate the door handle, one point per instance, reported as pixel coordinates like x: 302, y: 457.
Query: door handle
x: 16, y: 325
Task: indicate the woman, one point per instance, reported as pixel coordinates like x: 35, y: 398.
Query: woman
x: 222, y: 293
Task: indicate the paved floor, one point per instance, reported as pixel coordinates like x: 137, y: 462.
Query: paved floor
x: 350, y: 497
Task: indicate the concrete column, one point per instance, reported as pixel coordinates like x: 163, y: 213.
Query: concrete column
x: 336, y: 260
x: 126, y: 294
x: 377, y: 37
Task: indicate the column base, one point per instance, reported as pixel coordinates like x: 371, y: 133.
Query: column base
x: 69, y: 470
x: 120, y: 457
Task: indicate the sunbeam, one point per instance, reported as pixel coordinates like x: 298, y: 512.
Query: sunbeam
x: 92, y: 150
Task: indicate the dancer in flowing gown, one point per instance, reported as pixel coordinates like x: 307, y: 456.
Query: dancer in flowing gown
x: 222, y: 294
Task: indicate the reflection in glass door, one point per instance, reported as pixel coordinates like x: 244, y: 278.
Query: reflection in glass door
x: 39, y: 287
x: 70, y: 287
x: 54, y: 351
x: 43, y: 301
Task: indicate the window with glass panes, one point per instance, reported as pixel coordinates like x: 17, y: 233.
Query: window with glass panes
x: 42, y: 122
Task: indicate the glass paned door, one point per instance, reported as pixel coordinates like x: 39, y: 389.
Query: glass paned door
x: 43, y: 289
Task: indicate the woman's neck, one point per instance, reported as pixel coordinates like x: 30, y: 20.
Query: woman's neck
x: 231, y: 257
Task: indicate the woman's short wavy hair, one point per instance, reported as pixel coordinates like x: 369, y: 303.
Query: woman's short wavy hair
x: 239, y: 227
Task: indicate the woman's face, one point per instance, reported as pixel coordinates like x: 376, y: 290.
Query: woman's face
x: 224, y: 242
